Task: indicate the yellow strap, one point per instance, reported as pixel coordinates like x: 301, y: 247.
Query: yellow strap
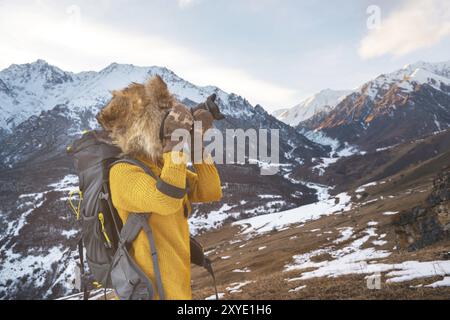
x: 76, y: 209
x: 102, y: 222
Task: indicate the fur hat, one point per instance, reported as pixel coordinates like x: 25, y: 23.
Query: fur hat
x: 133, y: 117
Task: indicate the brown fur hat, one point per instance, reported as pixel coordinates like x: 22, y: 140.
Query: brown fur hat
x: 133, y: 117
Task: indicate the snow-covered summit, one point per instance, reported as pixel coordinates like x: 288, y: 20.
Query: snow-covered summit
x: 433, y: 74
x: 323, y: 101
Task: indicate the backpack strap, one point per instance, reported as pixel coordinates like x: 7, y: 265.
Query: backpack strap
x: 161, y: 185
x: 159, y: 284
x: 135, y: 223
x: 137, y: 163
x: 84, y: 286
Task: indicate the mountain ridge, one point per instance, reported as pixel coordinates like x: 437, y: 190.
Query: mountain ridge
x: 392, y: 108
x: 323, y: 101
x: 39, y: 86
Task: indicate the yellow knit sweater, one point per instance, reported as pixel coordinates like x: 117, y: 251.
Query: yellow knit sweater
x: 134, y: 191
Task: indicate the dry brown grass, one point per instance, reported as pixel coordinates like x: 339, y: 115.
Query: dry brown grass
x: 267, y: 265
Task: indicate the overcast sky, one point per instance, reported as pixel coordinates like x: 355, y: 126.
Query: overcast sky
x: 273, y: 52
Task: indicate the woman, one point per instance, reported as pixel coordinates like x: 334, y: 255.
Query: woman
x: 134, y: 118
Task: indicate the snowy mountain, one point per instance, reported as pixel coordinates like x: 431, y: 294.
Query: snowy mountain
x: 420, y: 73
x: 324, y: 101
x: 400, y: 106
x: 29, y: 89
x: 45, y: 108
x: 279, y: 112
x: 36, y: 89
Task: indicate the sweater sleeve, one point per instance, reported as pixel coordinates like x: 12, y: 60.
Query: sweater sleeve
x: 132, y: 190
x: 204, y: 184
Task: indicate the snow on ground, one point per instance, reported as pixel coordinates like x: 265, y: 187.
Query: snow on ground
x: 97, y: 294
x: 244, y: 270
x: 379, y: 242
x: 442, y: 283
x: 369, y: 202
x: 269, y: 196
x: 213, y: 297
x: 288, y: 177
x: 346, y: 234
x: 67, y: 184
x: 40, y: 264
x: 321, y: 138
x: 358, y: 258
x: 276, y: 221
x: 297, y: 289
x: 386, y: 148
x: 335, y: 155
x: 33, y: 202
x: 338, y: 149
x: 364, y: 187
x: 236, y: 287
x: 213, y: 219
x: 70, y: 233
x: 390, y: 213
x: 16, y: 267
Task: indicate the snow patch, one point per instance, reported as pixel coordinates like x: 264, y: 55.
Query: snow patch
x: 213, y: 297
x: 244, y: 270
x: 237, y: 286
x: 213, y: 219
x: 276, y: 221
x: 298, y: 289
x: 390, y: 213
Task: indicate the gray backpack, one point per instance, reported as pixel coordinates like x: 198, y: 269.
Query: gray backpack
x: 105, y: 240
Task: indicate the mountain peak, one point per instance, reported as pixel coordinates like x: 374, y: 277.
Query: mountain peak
x: 325, y: 100
x: 40, y: 62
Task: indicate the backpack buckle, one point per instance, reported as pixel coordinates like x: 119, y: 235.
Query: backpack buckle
x: 103, y: 196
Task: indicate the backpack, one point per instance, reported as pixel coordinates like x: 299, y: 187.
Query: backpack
x: 105, y: 240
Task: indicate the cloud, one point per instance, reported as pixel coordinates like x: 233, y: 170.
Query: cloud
x: 69, y: 40
x: 416, y: 25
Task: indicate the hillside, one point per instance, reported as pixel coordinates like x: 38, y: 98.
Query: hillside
x: 368, y: 243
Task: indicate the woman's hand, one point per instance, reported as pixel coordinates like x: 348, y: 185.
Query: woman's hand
x: 205, y: 118
x: 179, y: 117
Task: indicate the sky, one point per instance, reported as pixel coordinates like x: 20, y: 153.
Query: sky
x: 272, y: 52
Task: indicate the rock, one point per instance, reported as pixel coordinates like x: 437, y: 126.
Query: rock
x: 425, y: 225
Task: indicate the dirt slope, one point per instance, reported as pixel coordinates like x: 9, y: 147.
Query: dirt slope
x: 372, y: 231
